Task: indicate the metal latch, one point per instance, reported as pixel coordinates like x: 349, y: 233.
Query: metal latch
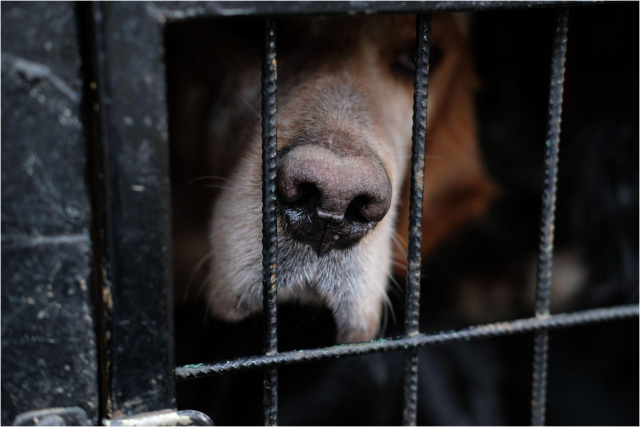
x: 71, y: 416
x: 75, y: 416
x: 163, y: 418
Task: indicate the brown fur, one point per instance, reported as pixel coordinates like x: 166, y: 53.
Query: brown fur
x: 457, y: 188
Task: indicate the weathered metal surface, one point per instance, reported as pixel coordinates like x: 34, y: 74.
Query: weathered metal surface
x: 269, y: 218
x: 491, y: 330
x: 133, y: 199
x: 48, y: 339
x: 414, y: 258
x: 173, y: 10
x: 545, y: 254
x: 73, y: 416
x: 164, y: 418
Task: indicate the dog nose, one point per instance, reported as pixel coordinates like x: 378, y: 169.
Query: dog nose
x: 329, y: 199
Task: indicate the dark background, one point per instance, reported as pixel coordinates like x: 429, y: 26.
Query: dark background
x: 593, y: 370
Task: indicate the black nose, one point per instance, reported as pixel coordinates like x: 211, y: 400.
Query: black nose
x: 331, y: 200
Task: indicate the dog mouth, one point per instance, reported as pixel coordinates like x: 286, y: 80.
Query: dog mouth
x: 342, y: 279
x: 346, y: 275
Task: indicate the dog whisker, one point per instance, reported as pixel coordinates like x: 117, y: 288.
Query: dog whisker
x: 395, y: 283
x: 195, y: 271
x: 218, y: 187
x: 246, y: 102
x: 400, y: 238
x: 395, y: 237
x: 389, y: 307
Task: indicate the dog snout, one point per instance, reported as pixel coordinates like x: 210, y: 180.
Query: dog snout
x: 331, y: 199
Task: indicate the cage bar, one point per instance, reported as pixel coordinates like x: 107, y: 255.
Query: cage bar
x: 414, y: 258
x: 183, y: 10
x: 269, y: 219
x: 545, y: 255
x: 487, y: 331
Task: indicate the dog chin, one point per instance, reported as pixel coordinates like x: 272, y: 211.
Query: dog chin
x: 350, y: 282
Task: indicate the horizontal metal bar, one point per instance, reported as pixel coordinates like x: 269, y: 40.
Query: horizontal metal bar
x: 491, y: 330
x: 175, y: 11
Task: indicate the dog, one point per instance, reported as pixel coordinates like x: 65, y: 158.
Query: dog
x: 345, y: 98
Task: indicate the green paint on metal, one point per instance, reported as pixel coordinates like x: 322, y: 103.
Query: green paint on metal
x: 194, y: 366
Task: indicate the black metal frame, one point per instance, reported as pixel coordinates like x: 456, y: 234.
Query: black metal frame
x: 48, y: 336
x: 125, y: 125
x: 130, y: 175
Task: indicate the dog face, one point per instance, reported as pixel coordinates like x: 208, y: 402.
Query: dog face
x: 345, y: 98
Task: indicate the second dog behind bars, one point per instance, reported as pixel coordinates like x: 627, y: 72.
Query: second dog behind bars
x: 345, y: 99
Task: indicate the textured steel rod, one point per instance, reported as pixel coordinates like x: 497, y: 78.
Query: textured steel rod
x: 414, y: 258
x: 487, y: 331
x: 269, y: 219
x: 545, y: 255
x: 180, y: 11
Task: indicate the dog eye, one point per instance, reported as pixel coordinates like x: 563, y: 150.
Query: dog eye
x: 405, y: 62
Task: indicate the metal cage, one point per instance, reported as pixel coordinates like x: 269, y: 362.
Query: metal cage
x: 117, y: 97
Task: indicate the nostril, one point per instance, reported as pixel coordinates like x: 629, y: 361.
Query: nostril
x: 307, y: 193
x: 366, y: 208
x: 297, y: 193
x: 375, y: 210
x: 355, y: 208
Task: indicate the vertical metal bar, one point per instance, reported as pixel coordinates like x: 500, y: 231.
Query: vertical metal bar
x: 545, y: 256
x: 269, y: 220
x: 414, y: 259
x: 130, y: 161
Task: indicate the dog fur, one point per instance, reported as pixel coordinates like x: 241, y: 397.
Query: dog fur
x: 339, y: 79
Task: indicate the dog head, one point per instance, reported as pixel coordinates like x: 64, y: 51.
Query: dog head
x: 345, y: 98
